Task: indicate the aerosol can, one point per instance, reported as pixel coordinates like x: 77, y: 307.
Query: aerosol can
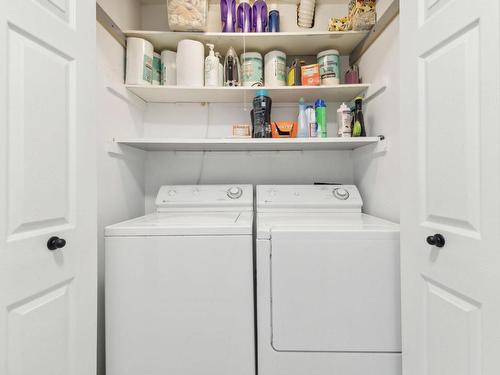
x: 231, y: 68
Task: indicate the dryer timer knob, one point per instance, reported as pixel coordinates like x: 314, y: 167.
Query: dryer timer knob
x: 340, y: 193
x: 234, y: 192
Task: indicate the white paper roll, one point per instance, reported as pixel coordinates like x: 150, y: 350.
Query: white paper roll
x: 139, y: 62
x: 168, y: 68
x: 275, y: 68
x: 190, y: 63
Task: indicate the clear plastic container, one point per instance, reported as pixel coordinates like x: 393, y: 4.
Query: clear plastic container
x: 187, y: 15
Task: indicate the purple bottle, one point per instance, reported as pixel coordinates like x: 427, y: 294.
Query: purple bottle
x: 228, y: 15
x: 259, y: 11
x: 244, y: 17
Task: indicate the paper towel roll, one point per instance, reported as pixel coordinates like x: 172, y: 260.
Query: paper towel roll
x: 168, y: 68
x: 139, y: 62
x: 190, y: 63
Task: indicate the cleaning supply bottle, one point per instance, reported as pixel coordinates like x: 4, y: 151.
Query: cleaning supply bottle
x: 244, y: 17
x: 231, y: 68
x: 261, y: 115
x: 358, y: 122
x: 274, y: 19
x: 259, y: 15
x: 221, y: 68
x: 344, y: 121
x: 303, y: 126
x: 320, y: 106
x: 211, y: 68
x: 228, y: 15
x: 311, y: 121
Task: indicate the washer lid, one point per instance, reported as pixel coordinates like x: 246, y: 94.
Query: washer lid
x: 187, y: 223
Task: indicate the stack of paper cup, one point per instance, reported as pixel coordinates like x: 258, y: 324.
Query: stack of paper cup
x: 306, y: 13
x: 139, y: 62
x: 190, y: 63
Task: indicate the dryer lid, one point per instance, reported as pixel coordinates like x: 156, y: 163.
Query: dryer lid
x: 308, y: 198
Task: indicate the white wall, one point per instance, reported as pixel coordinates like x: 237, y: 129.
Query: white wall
x: 120, y: 181
x: 215, y: 120
x: 377, y: 175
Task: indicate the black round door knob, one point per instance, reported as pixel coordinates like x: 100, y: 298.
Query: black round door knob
x: 436, y: 240
x: 55, y: 243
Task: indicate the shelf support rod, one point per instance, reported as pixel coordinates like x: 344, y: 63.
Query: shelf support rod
x: 384, y: 21
x: 107, y: 22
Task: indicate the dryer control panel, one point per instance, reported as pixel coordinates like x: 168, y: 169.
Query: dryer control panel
x: 204, y: 197
x: 329, y: 198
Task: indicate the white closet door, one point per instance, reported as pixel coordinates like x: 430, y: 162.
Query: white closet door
x: 47, y: 187
x: 450, y: 184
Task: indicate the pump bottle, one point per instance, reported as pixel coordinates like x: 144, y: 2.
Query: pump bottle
x: 211, y: 68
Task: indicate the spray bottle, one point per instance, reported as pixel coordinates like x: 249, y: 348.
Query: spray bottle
x: 244, y: 17
x: 211, y: 68
x: 303, y: 130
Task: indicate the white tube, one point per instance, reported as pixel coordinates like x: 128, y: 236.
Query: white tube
x: 139, y: 65
x: 190, y: 63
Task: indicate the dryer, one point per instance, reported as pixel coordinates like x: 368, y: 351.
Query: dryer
x: 328, y: 286
x: 179, y: 285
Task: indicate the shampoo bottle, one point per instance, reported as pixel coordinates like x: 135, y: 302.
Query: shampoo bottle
x: 259, y: 15
x: 228, y: 15
x: 211, y: 68
x: 244, y: 17
x: 303, y: 130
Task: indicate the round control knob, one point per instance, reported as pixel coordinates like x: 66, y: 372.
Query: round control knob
x: 234, y: 192
x: 172, y: 193
x: 341, y: 194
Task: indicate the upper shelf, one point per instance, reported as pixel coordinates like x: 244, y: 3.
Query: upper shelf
x: 291, y: 43
x: 284, y: 94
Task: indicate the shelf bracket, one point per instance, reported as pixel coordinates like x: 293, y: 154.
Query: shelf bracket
x: 117, y: 150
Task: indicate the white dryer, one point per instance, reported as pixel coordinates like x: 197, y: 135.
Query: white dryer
x: 179, y: 285
x: 328, y: 286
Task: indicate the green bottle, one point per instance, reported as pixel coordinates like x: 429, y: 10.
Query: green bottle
x: 358, y: 123
x: 320, y: 106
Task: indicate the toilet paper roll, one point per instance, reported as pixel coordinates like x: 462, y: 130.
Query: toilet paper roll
x: 168, y: 68
x: 190, y: 63
x: 139, y: 64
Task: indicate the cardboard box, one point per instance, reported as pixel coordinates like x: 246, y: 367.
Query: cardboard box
x: 311, y: 75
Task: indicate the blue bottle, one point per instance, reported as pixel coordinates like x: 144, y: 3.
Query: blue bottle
x: 274, y: 19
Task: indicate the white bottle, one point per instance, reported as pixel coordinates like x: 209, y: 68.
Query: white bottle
x: 221, y: 69
x: 303, y: 130
x: 211, y: 68
x: 344, y: 121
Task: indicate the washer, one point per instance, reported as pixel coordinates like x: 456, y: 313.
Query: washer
x: 179, y: 285
x: 328, y: 286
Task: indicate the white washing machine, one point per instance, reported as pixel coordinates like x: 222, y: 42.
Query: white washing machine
x: 328, y: 286
x: 179, y: 285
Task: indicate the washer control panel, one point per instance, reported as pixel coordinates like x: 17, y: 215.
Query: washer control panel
x: 172, y: 197
x: 341, y: 198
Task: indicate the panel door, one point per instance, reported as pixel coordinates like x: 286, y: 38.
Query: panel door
x: 47, y: 187
x: 450, y: 184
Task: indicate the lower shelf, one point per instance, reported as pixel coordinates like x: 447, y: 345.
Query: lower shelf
x: 246, y: 144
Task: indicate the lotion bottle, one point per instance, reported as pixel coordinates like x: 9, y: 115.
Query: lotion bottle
x: 221, y: 68
x: 303, y: 130
x: 211, y: 68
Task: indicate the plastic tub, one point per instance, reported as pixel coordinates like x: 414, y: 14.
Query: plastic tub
x: 187, y: 15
